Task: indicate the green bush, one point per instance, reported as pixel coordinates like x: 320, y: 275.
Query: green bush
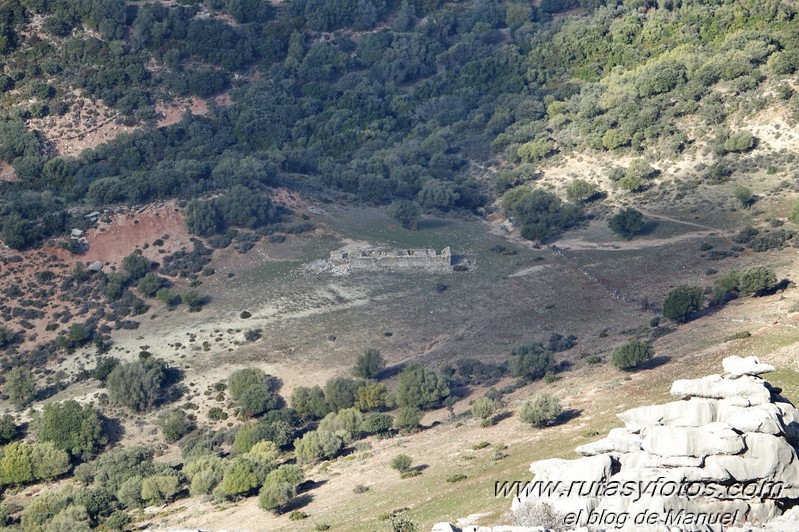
x: 421, y: 387
x: 20, y: 386
x: 175, y: 424
x: 541, y: 411
x: 483, y: 408
x: 407, y: 418
x: 309, y: 402
x: 531, y: 361
x: 682, y: 302
x: 757, y: 280
x: 368, y: 364
x: 372, y: 396
x: 631, y: 354
x: 254, y: 390
x: 317, y: 445
x: 341, y: 392
x: 138, y: 385
x: 401, y: 462
x: 71, y: 427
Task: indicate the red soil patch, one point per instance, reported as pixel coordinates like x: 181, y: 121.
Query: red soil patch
x: 131, y: 229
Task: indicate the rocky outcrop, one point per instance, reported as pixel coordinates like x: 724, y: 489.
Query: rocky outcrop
x: 722, y: 456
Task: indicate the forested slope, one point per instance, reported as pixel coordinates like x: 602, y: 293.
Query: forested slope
x: 381, y: 100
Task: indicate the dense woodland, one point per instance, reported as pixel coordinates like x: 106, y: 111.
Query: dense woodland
x: 382, y: 100
x: 419, y: 105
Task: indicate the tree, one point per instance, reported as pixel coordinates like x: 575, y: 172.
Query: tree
x: 9, y: 431
x: 20, y: 386
x: 137, y: 385
x: 401, y: 462
x: 202, y: 218
x: 159, y: 489
x: 531, y: 361
x: 24, y: 462
x: 150, y: 284
x: 369, y: 364
x: 239, y: 478
x: 421, y: 387
x: 345, y: 423
x: 757, y: 280
x: 317, y: 445
x: 580, y: 190
x: 635, y: 175
x: 309, y: 402
x: 377, y: 424
x: 631, y: 354
x: 245, y: 207
x: 541, y: 411
x: 372, y: 396
x: 406, y: 212
x: 627, y: 222
x: 253, y: 390
x: 136, y: 265
x: 69, y: 426
x: 341, y: 392
x: 682, y: 302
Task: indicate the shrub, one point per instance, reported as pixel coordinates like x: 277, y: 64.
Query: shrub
x: 631, y: 354
x: 205, y: 473
x: 541, y: 411
x: 135, y: 265
x: 757, y: 280
x: 159, y: 489
x: 682, y: 302
x: 239, y: 478
x: 531, y: 361
x: 580, y: 190
x: 368, y: 364
x: 9, y: 431
x: 280, y: 487
x: 408, y: 418
x: 421, y: 387
x: 483, y: 408
x: 401, y: 462
x: 175, y: 425
x: 743, y: 195
x: 317, y: 445
x: 377, y: 424
x: 215, y: 413
x: 456, y: 478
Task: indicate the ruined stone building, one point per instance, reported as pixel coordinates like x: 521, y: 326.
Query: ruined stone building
x: 393, y: 259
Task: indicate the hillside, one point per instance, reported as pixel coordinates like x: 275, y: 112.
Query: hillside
x: 614, y: 180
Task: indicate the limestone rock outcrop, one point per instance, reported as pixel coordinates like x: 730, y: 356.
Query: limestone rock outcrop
x: 724, y: 455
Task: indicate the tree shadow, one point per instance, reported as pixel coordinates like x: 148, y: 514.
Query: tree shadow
x: 502, y: 416
x: 653, y: 363
x: 301, y: 501
x: 647, y: 228
x: 113, y: 429
x: 309, y: 485
x: 567, y: 415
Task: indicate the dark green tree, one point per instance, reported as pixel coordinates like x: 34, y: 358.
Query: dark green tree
x: 627, y: 222
x: 369, y: 364
x: 69, y: 426
x: 682, y: 302
x: 631, y: 354
x: 421, y: 387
